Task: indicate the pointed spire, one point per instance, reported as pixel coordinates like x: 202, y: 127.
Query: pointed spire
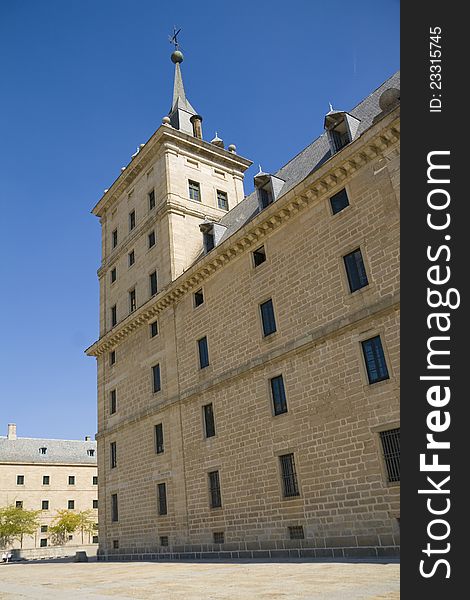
x: 181, y: 109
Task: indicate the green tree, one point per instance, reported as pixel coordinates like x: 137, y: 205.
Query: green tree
x: 87, y: 523
x: 65, y: 523
x: 15, y: 523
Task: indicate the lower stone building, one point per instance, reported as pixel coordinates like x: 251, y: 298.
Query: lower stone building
x: 49, y: 475
x: 248, y: 359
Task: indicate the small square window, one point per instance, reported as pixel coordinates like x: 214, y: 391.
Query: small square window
x: 219, y: 537
x: 198, y: 298
x: 43, y: 528
x: 355, y: 270
x: 116, y: 544
x: 278, y: 394
x: 162, y: 504
x: 95, y: 503
x: 71, y: 504
x: 153, y: 283
x: 194, y: 191
x: 151, y: 239
x: 203, y: 353
x: 112, y: 357
x: 296, y: 532
x: 43, y: 542
x: 95, y: 539
x: 391, y: 452
x: 151, y: 196
x: 114, y: 238
x: 20, y: 480
x: 114, y: 508
x: 209, y: 421
x: 112, y: 402
x: 339, y: 201
x: 113, y: 316
x: 375, y: 359
x: 154, y: 329
x: 95, y: 480
x: 113, y: 455
x: 131, y: 258
x: 71, y: 479
x: 159, y: 444
x: 131, y: 220
x: 113, y: 275
x: 222, y: 200
x: 259, y: 256
x: 45, y: 505
x: 46, y: 480
x: 132, y: 301
x: 267, y: 317
x: 156, y: 379
x: 19, y: 504
x: 163, y: 540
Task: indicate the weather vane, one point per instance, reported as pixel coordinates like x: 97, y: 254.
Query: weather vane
x: 174, y: 39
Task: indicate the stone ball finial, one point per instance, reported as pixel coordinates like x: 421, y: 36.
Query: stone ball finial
x: 232, y: 148
x: 177, y: 57
x: 166, y: 120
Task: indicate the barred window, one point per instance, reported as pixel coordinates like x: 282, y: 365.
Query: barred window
x: 375, y: 359
x: 114, y: 508
x: 214, y: 489
x: 391, y: 451
x: 46, y: 480
x: 278, y: 395
x: 20, y: 480
x: 71, y: 504
x: 355, y: 269
x: 45, y: 505
x: 339, y: 201
x: 163, y: 540
x: 289, y: 476
x: 219, y: 537
x: 159, y: 447
x: 209, y: 423
x: 296, y: 532
x: 267, y: 317
x: 113, y: 455
x: 116, y: 544
x: 161, y: 493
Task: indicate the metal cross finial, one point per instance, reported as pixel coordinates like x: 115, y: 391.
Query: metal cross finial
x: 331, y: 106
x: 173, y: 38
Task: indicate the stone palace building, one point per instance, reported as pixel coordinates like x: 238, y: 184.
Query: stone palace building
x: 248, y: 368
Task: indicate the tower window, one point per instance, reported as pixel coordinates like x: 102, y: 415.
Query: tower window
x: 131, y: 258
x: 198, y: 298
x: 151, y: 197
x: 114, y: 508
x: 290, y: 485
x: 114, y: 238
x: 113, y: 315
x: 153, y: 283
x: 267, y: 317
x: 194, y: 190
x: 339, y: 202
x: 355, y: 269
x: 222, y: 200
x: 20, y: 480
x: 203, y: 353
x: 161, y: 497
x: 95, y: 480
x: 131, y: 220
x: 46, y: 480
x: 132, y: 301
x: 112, y: 357
x: 113, y: 275
x: 154, y: 329
x: 156, y: 381
x: 375, y: 359
x: 214, y: 489
x: 391, y: 452
x: 259, y: 256
x: 45, y: 505
x: 278, y: 395
x: 113, y: 455
x: 71, y: 504
x: 112, y: 402
x: 209, y: 422
x: 71, y: 479
x: 151, y: 239
x: 159, y: 447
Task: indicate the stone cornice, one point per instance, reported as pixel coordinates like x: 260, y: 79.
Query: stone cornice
x: 333, y: 173
x: 145, y: 157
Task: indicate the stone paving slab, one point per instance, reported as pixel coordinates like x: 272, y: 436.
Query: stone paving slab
x: 200, y: 581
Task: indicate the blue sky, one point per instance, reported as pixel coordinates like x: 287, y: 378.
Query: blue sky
x: 83, y: 83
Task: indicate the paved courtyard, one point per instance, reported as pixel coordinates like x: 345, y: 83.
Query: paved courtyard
x: 200, y: 581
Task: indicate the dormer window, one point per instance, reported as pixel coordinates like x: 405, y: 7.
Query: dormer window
x: 91, y: 452
x: 265, y: 197
x: 268, y: 187
x: 43, y: 450
x: 209, y: 241
x: 341, y: 129
x: 212, y: 234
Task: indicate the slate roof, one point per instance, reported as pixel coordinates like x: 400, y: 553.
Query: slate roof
x: 26, y: 451
x: 308, y: 160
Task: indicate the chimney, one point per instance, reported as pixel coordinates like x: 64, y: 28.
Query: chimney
x: 87, y: 438
x: 196, y: 121
x: 11, y: 431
